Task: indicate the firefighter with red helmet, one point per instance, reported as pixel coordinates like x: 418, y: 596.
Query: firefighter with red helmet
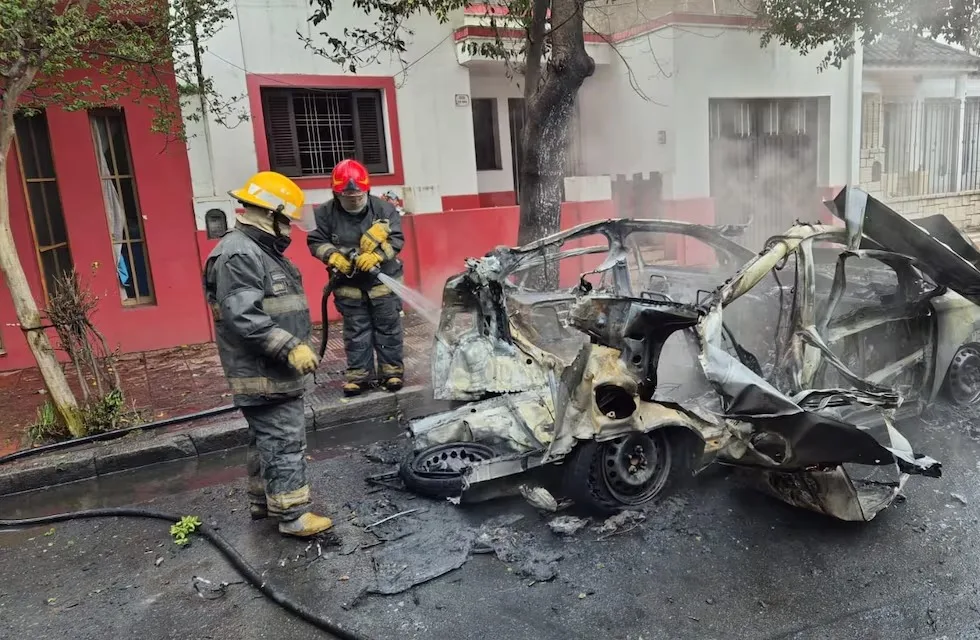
x: 357, y: 236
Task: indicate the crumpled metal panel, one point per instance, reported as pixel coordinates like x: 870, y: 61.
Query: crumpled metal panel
x: 958, y: 268
x: 832, y: 492
x: 476, y: 366
x: 517, y: 423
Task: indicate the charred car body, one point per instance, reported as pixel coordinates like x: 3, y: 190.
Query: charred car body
x: 793, y: 369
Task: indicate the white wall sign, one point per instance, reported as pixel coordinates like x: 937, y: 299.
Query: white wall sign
x: 462, y: 100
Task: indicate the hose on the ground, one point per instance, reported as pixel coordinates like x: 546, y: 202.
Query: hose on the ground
x: 237, y: 561
x: 117, y: 433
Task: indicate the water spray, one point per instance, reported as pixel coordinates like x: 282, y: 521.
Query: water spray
x: 414, y: 298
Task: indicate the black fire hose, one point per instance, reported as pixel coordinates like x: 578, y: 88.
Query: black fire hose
x: 327, y: 292
x: 115, y: 434
x: 325, y: 329
x: 237, y: 561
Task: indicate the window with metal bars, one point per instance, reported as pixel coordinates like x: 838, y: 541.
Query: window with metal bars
x: 122, y: 206
x: 971, y: 145
x: 309, y: 131
x: 920, y: 144
x: 43, y: 198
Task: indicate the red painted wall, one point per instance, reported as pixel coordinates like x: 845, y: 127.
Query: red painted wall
x: 689, y: 251
x: 165, y: 196
x: 498, y: 199
x: 436, y: 247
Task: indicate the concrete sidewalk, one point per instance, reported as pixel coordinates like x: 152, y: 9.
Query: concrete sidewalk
x: 175, y: 382
x: 186, y: 380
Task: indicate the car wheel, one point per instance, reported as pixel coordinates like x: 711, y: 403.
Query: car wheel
x: 963, y: 377
x: 438, y: 471
x: 626, y: 473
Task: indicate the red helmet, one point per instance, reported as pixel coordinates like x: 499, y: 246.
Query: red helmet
x: 350, y: 176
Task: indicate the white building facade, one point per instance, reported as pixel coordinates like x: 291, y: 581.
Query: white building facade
x: 683, y: 108
x: 920, y: 139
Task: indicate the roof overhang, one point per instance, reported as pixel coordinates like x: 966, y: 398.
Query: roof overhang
x: 931, y: 69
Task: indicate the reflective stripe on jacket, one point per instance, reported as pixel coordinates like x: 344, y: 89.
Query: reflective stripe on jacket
x: 337, y: 230
x: 260, y: 314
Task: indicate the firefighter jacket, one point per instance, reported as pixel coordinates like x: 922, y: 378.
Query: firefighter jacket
x: 260, y: 314
x: 337, y: 230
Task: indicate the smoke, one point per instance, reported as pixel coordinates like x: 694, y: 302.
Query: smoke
x: 768, y: 183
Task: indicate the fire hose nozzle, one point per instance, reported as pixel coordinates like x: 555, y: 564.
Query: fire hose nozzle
x: 373, y: 271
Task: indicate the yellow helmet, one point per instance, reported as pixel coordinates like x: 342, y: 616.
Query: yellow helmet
x: 276, y: 193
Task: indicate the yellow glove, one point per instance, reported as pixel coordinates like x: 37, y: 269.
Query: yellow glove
x: 303, y: 359
x: 341, y: 263
x: 368, y: 261
x: 374, y: 236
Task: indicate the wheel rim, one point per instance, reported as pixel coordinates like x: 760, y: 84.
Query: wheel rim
x: 635, y: 468
x: 450, y: 459
x: 964, y: 375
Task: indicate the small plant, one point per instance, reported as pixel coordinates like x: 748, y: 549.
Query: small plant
x: 184, y: 527
x: 46, y: 427
x: 106, y: 413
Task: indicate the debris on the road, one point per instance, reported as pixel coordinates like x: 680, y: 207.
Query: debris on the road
x: 376, y: 516
x: 418, y: 558
x: 622, y: 522
x: 567, y: 525
x: 519, y: 551
x: 392, y: 517
x: 390, y: 452
x: 158, y: 561
x: 539, y: 498
x: 209, y: 590
x: 959, y: 498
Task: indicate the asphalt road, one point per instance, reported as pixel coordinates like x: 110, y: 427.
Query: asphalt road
x: 714, y: 561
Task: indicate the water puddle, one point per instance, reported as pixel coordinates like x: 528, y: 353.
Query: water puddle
x: 415, y: 299
x: 145, y: 484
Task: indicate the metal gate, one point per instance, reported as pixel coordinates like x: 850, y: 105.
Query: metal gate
x: 764, y: 164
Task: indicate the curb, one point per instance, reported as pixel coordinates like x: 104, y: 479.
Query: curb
x: 130, y: 452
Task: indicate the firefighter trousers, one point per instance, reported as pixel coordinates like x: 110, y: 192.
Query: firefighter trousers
x: 372, y: 326
x: 276, y: 458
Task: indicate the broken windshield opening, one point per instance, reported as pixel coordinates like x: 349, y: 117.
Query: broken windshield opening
x: 571, y: 262
x: 675, y: 266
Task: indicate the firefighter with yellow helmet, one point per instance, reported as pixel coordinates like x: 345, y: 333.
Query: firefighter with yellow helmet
x: 263, y: 328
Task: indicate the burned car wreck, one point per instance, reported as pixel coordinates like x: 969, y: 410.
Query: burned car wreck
x: 790, y: 364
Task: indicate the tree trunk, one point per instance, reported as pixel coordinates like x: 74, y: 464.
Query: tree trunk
x: 550, y: 101
x: 27, y: 312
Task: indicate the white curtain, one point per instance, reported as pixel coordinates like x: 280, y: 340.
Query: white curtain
x: 114, y: 209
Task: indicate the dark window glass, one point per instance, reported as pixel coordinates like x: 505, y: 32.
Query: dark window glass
x: 43, y: 198
x: 486, y: 136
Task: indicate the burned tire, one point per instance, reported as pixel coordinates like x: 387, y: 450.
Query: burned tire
x: 962, y: 384
x: 438, y: 472
x: 626, y: 473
